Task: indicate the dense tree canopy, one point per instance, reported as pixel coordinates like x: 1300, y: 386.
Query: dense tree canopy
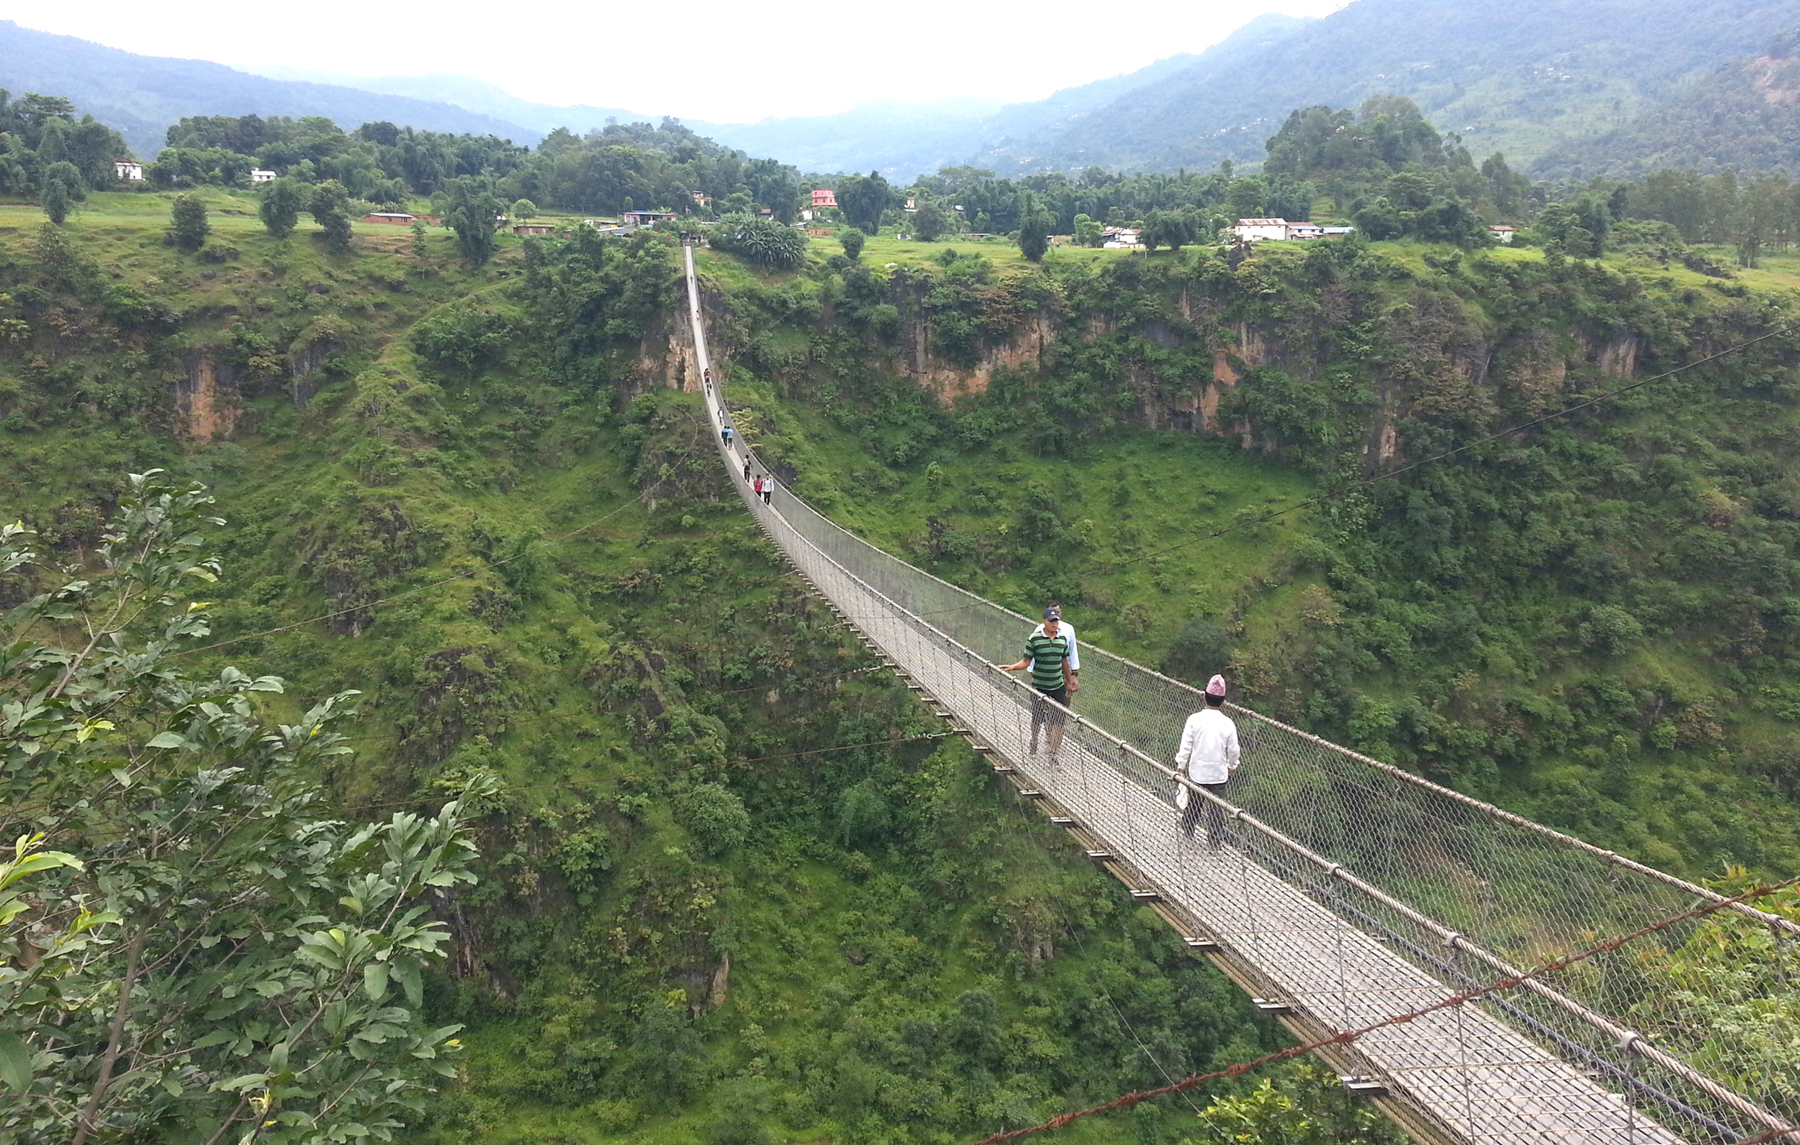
x: 863, y: 198
x: 473, y: 213
x: 240, y: 957
x: 48, y: 154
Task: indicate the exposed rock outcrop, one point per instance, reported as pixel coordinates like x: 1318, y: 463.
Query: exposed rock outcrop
x: 207, y: 400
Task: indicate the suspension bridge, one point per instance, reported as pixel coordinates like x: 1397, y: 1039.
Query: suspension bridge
x: 1347, y: 891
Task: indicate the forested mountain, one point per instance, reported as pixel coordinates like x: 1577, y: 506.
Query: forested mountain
x: 1744, y: 116
x: 142, y: 96
x: 468, y: 93
x: 1518, y: 78
x: 1523, y: 78
x: 896, y: 137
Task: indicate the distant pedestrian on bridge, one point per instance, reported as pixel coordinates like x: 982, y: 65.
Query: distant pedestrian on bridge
x: 725, y: 436
x: 1047, y: 655
x: 746, y: 470
x: 1209, y: 754
x: 768, y: 488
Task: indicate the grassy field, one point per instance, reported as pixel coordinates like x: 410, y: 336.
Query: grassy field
x: 885, y: 248
x: 233, y: 216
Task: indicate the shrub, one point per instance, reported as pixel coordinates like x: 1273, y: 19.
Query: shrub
x: 131, y: 309
x: 762, y: 241
x: 863, y: 815
x: 1200, y: 649
x: 743, y: 1117
x: 187, y: 222
x: 463, y: 334
x: 1609, y: 630
x: 715, y: 817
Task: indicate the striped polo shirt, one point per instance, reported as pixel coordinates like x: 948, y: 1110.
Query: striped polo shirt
x: 1046, y: 655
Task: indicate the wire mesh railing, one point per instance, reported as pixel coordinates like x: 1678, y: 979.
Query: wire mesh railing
x: 1363, y: 889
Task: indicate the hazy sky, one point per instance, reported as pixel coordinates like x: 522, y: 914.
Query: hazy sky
x: 721, y: 63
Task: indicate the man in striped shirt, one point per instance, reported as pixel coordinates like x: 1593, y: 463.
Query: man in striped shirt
x: 1047, y: 652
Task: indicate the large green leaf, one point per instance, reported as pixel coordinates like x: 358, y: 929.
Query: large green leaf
x: 15, y: 1062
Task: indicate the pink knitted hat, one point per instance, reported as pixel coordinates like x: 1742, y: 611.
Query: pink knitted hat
x: 1215, y: 686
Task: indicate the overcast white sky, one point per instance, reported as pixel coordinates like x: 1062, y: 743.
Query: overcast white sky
x: 727, y: 64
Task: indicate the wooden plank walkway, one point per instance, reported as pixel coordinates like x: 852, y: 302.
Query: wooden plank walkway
x: 1471, y: 1073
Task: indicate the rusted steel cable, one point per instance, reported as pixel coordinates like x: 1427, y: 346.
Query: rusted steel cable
x: 1128, y: 1100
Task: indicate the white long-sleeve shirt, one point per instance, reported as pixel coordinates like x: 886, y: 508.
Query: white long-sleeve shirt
x: 1209, y: 747
x: 1064, y: 628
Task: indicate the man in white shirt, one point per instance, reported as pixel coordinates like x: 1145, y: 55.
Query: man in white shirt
x: 1209, y: 754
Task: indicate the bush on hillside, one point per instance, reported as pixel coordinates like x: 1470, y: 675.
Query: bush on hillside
x: 715, y: 817
x: 1200, y: 649
x: 761, y: 241
x: 187, y: 222
x: 863, y: 815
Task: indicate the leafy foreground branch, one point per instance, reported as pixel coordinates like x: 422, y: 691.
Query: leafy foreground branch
x: 205, y: 949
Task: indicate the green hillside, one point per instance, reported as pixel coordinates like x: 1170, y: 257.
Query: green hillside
x: 143, y: 96
x: 731, y: 892
x: 1744, y: 116
x: 1519, y: 78
x: 528, y: 563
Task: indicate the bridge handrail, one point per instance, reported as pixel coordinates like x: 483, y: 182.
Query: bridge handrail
x: 1489, y: 898
x: 1500, y: 813
x: 1626, y: 1040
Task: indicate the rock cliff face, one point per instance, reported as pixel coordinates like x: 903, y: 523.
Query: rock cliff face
x: 949, y: 382
x: 1346, y: 363
x: 206, y: 400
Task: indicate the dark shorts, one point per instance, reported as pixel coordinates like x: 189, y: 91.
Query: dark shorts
x: 1044, y: 713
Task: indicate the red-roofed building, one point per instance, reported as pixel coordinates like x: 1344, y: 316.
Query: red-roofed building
x: 824, y: 197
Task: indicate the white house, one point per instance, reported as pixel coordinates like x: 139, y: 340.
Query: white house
x: 1280, y: 230
x: 128, y: 170
x: 1503, y: 232
x: 1261, y: 230
x: 1121, y: 238
x: 258, y: 175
